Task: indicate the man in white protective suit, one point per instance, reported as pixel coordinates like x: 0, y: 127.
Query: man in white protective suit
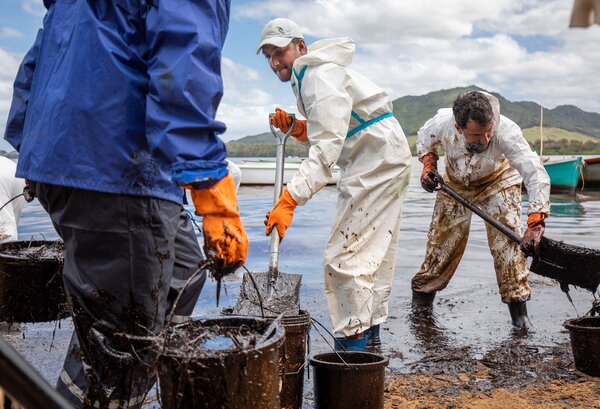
x: 10, y: 187
x: 349, y: 123
x: 486, y: 161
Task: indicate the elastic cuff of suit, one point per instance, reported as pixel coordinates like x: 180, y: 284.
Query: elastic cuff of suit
x: 536, y: 219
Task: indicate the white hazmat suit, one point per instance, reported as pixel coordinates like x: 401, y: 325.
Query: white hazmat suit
x: 10, y: 186
x: 350, y: 122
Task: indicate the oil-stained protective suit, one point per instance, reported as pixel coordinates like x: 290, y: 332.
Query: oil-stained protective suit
x: 492, y: 180
x: 350, y: 122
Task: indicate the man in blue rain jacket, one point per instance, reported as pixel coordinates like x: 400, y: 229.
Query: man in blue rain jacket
x: 113, y: 113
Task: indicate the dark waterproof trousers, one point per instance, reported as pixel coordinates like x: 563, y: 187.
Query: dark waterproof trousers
x: 126, y: 260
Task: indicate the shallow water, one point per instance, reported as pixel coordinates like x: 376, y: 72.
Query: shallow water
x: 468, y: 313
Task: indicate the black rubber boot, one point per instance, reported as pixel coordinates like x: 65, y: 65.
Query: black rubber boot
x: 518, y: 313
x: 420, y: 299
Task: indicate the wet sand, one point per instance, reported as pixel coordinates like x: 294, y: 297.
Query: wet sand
x: 462, y: 354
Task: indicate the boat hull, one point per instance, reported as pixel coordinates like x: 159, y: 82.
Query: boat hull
x: 262, y: 172
x: 591, y: 172
x: 564, y: 174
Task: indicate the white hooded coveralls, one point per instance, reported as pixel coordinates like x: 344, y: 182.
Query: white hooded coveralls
x: 10, y: 186
x: 350, y: 122
x: 492, y: 180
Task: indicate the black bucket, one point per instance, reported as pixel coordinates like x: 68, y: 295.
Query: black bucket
x: 296, y: 329
x: 357, y: 383
x: 209, y: 373
x: 31, y: 286
x: 585, y: 343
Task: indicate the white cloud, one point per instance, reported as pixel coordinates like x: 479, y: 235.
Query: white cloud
x: 380, y: 21
x: 531, y: 17
x: 248, y: 99
x: 411, y: 48
x: 7, y: 32
x: 35, y: 7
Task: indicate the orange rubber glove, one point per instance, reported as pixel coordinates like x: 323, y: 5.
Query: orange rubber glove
x: 283, y: 121
x: 281, y: 215
x: 429, y: 162
x: 530, y: 241
x: 225, y: 240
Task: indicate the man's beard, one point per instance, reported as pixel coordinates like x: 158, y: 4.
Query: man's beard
x: 476, y: 147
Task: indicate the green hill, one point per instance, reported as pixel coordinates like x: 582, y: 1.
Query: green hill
x: 266, y: 138
x: 567, y: 129
x: 413, y: 111
x: 263, y: 145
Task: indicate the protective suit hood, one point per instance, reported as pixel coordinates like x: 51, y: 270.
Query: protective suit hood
x: 338, y: 51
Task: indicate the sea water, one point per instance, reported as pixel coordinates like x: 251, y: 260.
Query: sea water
x: 574, y: 219
x: 469, y: 309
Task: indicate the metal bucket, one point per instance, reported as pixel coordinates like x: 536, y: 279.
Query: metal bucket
x: 217, y: 376
x: 585, y: 343
x: 31, y: 286
x: 357, y: 383
x: 294, y: 350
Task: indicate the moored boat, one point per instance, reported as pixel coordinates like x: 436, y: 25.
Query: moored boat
x: 262, y: 171
x: 591, y: 172
x: 564, y: 174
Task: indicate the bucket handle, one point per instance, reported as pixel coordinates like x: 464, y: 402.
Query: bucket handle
x: 299, y: 369
x: 327, y: 342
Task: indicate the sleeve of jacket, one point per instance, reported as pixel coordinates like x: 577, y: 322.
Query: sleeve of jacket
x: 328, y: 108
x: 21, y: 90
x: 185, y: 39
x: 429, y: 136
x: 528, y: 164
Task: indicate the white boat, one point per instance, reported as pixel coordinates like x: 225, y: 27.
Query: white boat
x: 262, y: 171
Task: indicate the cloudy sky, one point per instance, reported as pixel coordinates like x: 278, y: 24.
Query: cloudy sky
x: 522, y: 49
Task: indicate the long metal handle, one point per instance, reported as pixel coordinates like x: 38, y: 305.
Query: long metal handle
x: 474, y: 208
x: 278, y: 188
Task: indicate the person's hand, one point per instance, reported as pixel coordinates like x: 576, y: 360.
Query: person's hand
x: 281, y: 215
x: 225, y: 240
x: 530, y: 241
x: 429, y: 163
x: 283, y: 121
x: 28, y: 194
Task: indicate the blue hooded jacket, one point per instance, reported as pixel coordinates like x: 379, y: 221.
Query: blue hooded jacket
x: 120, y: 96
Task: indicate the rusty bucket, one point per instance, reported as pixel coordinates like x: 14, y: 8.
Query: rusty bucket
x: 295, y: 349
x: 293, y: 353
x: 230, y: 363
x: 31, y: 286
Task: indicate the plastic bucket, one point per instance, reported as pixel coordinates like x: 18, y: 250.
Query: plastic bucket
x: 357, y: 383
x: 585, y: 343
x: 296, y: 329
x: 31, y: 286
x: 208, y: 373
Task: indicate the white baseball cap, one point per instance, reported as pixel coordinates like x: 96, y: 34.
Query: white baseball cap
x: 279, y: 32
